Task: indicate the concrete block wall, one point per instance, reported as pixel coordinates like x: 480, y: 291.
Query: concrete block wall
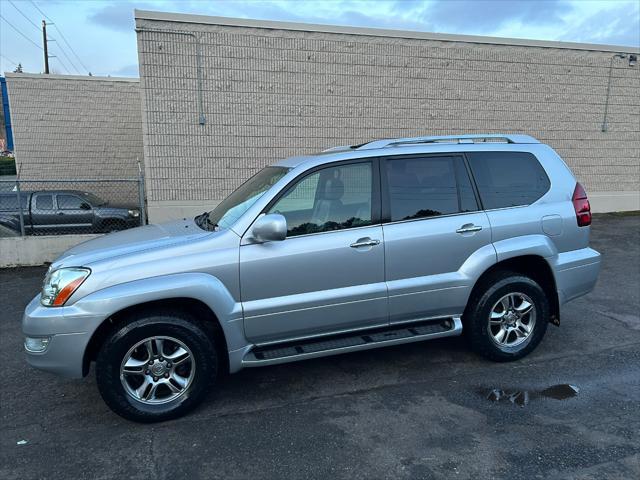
x: 275, y: 89
x: 77, y: 127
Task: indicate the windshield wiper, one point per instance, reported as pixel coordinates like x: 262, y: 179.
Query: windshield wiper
x: 203, y: 222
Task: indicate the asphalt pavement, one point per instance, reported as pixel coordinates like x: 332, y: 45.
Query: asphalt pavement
x: 414, y: 411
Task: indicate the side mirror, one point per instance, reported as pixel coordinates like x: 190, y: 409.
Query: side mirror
x: 85, y: 206
x: 269, y: 228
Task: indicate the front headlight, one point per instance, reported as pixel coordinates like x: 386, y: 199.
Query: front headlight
x: 134, y: 213
x: 60, y: 284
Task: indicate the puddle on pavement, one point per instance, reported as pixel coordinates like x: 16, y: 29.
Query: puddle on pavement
x: 522, y: 397
x: 561, y: 392
x: 517, y: 397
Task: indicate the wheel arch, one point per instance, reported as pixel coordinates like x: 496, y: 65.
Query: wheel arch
x: 202, y: 296
x: 533, y: 266
x: 191, y: 306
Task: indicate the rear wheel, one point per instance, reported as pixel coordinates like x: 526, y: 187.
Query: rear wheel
x: 156, y: 367
x: 506, y: 317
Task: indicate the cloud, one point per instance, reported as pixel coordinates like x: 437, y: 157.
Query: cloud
x: 485, y: 16
x: 616, y: 26
x: 360, y: 19
x: 117, y: 16
x: 255, y: 9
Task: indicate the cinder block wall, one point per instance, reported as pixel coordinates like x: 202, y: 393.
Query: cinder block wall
x: 273, y: 89
x: 76, y: 127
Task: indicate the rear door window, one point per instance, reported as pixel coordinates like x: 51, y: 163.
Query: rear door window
x: 421, y: 187
x: 44, y: 202
x: 508, y: 179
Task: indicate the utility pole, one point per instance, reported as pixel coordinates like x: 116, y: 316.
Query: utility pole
x: 46, y: 49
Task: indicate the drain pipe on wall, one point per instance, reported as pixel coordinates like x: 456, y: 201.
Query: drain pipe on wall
x: 606, y: 101
x: 201, y: 117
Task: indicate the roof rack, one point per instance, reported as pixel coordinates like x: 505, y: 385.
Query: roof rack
x: 477, y: 138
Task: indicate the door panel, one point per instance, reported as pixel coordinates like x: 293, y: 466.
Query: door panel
x: 43, y: 213
x: 328, y: 274
x: 434, y: 228
x: 423, y: 260
x: 70, y: 213
x: 313, y: 284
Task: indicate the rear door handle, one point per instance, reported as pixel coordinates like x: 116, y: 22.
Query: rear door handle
x: 365, y: 242
x: 469, y: 227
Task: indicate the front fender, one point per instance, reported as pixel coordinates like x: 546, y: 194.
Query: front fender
x: 197, y: 286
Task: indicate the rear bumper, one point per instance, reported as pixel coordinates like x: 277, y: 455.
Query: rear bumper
x: 576, y: 273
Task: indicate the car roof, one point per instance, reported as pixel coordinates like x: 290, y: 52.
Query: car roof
x: 413, y: 145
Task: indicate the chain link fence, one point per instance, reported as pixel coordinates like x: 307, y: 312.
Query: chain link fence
x: 63, y: 207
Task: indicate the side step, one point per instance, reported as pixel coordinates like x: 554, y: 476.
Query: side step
x: 351, y: 342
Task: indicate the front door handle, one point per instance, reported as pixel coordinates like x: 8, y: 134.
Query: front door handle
x: 468, y: 228
x: 365, y: 242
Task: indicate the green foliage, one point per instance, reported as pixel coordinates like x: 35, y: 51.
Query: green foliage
x: 7, y: 166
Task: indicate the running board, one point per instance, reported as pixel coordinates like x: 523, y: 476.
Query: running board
x: 344, y: 343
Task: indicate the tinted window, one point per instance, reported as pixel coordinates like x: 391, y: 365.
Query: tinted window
x: 333, y: 198
x: 44, y: 202
x: 10, y: 202
x: 69, y: 202
x: 508, y: 179
x: 428, y: 187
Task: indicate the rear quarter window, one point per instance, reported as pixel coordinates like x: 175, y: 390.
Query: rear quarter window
x: 508, y: 179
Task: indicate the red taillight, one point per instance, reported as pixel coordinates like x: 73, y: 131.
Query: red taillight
x: 581, y: 206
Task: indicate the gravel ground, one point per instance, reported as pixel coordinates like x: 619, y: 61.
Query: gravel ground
x: 415, y: 411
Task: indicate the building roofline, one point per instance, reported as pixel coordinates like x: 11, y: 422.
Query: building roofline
x: 53, y: 76
x: 377, y: 32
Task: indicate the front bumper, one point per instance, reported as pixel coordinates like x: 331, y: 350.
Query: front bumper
x: 68, y: 329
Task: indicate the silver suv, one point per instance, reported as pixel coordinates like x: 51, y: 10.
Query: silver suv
x: 359, y: 247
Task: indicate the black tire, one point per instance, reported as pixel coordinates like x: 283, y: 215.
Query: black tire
x: 117, y: 345
x: 481, y: 304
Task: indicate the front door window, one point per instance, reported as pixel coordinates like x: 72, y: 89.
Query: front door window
x: 333, y: 198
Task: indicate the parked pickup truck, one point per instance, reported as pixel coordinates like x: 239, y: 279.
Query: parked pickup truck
x: 64, y: 211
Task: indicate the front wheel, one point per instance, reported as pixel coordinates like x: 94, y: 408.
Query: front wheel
x: 156, y: 368
x: 506, y: 317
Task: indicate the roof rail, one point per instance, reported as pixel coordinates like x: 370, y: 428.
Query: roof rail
x: 340, y: 148
x: 476, y: 138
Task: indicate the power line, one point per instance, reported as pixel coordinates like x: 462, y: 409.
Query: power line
x: 26, y: 38
x: 8, y: 60
x: 61, y: 36
x: 71, y: 48
x: 27, y: 18
x: 60, y: 46
x: 59, y: 59
x: 76, y: 69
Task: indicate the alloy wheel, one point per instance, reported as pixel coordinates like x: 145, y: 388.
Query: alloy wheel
x: 157, y: 370
x: 512, y: 320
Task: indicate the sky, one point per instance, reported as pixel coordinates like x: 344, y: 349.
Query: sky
x: 98, y: 36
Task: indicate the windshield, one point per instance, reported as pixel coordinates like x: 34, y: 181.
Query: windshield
x: 232, y: 207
